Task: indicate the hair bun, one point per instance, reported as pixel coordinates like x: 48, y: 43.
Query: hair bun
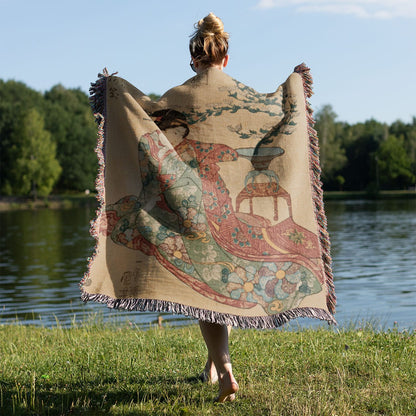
x: 211, y: 25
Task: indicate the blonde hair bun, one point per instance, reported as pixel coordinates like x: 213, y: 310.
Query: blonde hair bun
x: 211, y: 25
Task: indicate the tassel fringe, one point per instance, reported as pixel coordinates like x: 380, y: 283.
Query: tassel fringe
x: 97, y: 103
x: 315, y: 171
x: 245, y: 322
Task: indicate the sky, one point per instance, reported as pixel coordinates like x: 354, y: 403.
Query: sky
x: 362, y: 53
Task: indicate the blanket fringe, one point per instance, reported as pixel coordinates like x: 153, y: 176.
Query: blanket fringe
x: 97, y: 93
x: 244, y: 322
x: 315, y: 170
x: 97, y: 103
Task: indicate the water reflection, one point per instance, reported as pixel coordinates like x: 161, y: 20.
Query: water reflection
x: 374, y: 260
x: 43, y: 257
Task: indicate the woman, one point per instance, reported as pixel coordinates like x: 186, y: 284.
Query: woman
x: 211, y: 203
x: 209, y: 48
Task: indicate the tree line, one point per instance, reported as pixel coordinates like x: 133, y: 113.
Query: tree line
x: 369, y: 156
x: 47, y: 140
x: 47, y: 143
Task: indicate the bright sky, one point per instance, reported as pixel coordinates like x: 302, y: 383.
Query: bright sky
x: 362, y: 53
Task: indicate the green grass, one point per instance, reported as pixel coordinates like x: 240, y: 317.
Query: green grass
x: 109, y: 369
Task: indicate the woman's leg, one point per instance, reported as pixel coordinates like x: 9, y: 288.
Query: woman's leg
x: 216, y: 339
x: 209, y: 373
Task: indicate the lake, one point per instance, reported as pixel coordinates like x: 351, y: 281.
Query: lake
x: 43, y: 257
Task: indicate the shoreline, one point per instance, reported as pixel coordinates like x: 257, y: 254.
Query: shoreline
x: 364, y: 195
x: 67, y: 201
x: 61, y: 201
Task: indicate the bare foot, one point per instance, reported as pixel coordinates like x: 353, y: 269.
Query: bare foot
x: 228, y: 388
x: 209, y: 375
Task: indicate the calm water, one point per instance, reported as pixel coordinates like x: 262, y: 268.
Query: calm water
x: 43, y: 257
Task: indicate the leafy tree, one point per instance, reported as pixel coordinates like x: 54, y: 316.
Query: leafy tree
x: 153, y: 96
x: 408, y: 134
x: 8, y: 117
x: 332, y: 154
x: 35, y: 168
x: 15, y: 92
x: 15, y: 99
x: 361, y: 142
x: 71, y: 123
x: 394, y: 164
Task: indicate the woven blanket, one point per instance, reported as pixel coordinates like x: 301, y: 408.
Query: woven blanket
x: 210, y: 202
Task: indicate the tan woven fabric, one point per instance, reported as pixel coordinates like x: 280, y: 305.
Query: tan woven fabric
x: 211, y: 204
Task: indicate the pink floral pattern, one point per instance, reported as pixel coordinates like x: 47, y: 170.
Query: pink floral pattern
x: 174, y: 247
x: 108, y: 221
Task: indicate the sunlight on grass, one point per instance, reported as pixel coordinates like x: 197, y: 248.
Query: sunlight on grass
x: 119, y: 369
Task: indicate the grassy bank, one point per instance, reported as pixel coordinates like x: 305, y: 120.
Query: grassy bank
x: 121, y: 370
x: 64, y: 201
